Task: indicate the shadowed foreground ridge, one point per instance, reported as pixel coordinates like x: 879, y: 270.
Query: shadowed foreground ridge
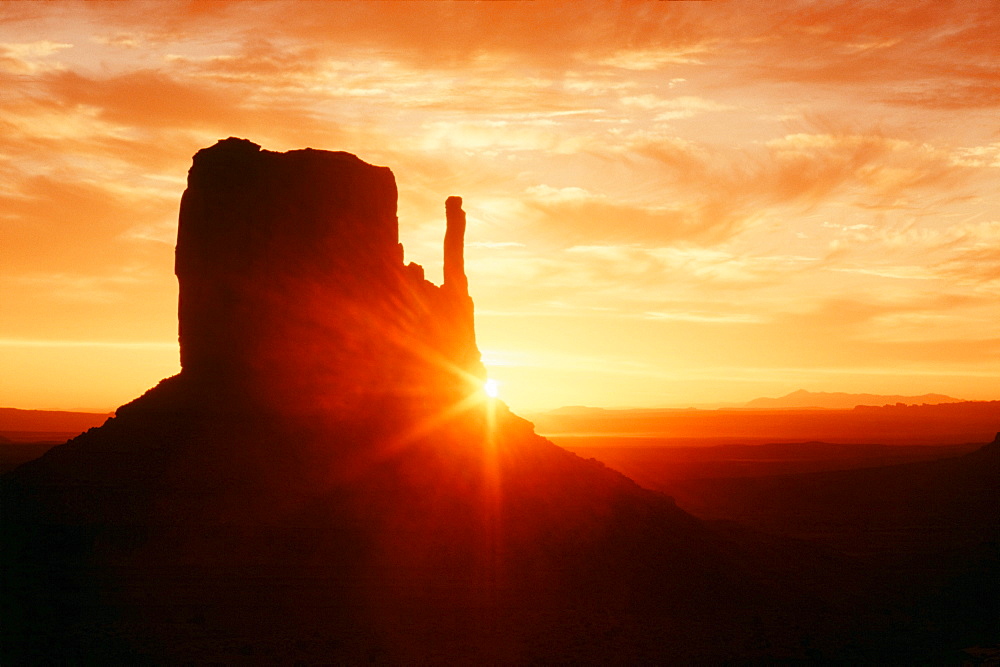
x: 325, y: 480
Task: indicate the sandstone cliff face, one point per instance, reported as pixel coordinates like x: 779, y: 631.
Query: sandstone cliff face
x: 293, y: 292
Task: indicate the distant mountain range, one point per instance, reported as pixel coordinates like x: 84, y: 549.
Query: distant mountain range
x: 801, y: 399
x: 15, y: 419
x: 843, y: 401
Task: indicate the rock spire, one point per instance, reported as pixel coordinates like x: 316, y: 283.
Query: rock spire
x: 454, y: 247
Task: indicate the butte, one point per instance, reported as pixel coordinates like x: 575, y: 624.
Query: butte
x: 325, y: 480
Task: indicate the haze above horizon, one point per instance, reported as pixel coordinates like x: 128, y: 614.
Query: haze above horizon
x: 668, y: 203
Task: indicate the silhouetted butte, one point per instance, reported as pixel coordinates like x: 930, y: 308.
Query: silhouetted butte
x: 325, y: 481
x: 293, y: 292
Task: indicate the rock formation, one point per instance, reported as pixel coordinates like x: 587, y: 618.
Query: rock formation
x: 454, y: 248
x: 293, y: 292
x: 324, y: 482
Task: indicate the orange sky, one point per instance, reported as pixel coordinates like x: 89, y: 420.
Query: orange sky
x: 670, y: 203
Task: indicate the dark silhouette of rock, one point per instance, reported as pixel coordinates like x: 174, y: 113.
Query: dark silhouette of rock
x: 293, y: 292
x: 324, y: 481
x: 454, y: 248
x: 931, y: 527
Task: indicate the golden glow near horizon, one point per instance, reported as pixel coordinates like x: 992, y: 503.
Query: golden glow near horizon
x: 668, y: 203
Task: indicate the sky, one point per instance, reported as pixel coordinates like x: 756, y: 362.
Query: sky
x: 669, y: 203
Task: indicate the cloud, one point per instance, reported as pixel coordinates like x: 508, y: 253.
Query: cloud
x: 884, y: 170
x: 675, y: 108
x: 73, y: 225
x: 959, y: 256
x: 703, y: 317
x: 928, y: 53
x: 685, y: 266
x: 655, y: 58
x: 30, y: 58
x: 65, y: 287
x: 795, y: 174
x: 940, y: 44
x: 153, y: 100
x: 976, y: 266
x: 685, y: 284
x: 145, y: 97
x: 978, y: 156
x: 577, y: 216
x: 497, y: 135
x: 880, y: 318
x: 443, y: 35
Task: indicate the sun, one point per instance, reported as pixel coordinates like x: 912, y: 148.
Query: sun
x: 492, y: 388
